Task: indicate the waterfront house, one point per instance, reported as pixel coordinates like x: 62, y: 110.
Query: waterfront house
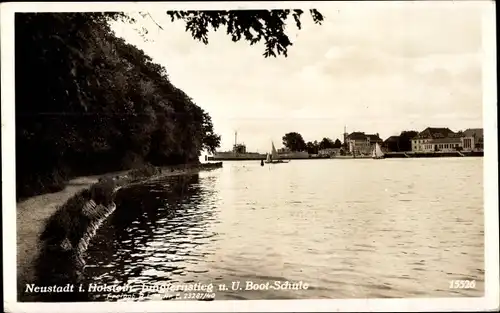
x: 448, y: 144
x: 436, y: 139
x: 472, y: 139
x: 361, y: 143
x: 391, y: 144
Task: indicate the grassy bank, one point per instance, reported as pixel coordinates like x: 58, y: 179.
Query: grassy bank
x: 33, y: 213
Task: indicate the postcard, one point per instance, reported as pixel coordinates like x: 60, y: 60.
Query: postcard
x: 249, y: 156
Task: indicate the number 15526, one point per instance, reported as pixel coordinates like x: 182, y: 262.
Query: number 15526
x: 462, y: 284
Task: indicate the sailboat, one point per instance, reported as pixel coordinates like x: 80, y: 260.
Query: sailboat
x: 377, y: 152
x: 274, y: 157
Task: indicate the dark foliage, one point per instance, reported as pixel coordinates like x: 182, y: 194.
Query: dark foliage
x: 88, y: 103
x: 294, y: 141
x: 325, y: 143
x: 250, y: 25
x: 312, y: 147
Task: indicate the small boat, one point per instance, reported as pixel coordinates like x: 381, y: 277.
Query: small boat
x: 274, y: 158
x: 377, y: 152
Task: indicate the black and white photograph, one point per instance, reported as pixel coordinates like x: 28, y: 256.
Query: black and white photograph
x: 249, y: 156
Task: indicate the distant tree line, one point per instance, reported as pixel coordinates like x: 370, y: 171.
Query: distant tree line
x: 295, y: 142
x: 88, y: 103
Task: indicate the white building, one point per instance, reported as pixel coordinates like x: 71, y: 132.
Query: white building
x: 443, y: 139
x: 442, y: 144
x: 435, y: 139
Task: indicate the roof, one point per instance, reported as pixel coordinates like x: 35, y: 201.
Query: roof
x: 392, y: 138
x: 363, y: 136
x: 357, y: 136
x: 374, y: 138
x: 473, y: 132
x: 435, y: 132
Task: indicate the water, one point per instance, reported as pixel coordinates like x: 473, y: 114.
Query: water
x: 349, y: 228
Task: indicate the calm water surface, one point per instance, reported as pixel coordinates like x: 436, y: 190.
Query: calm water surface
x: 348, y: 228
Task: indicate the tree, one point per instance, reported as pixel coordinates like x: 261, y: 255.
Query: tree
x: 326, y: 143
x: 88, y: 102
x: 211, y: 141
x: 337, y: 144
x: 294, y: 141
x: 312, y: 148
x: 251, y: 25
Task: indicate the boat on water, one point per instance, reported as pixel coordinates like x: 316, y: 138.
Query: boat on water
x: 377, y: 152
x: 274, y: 157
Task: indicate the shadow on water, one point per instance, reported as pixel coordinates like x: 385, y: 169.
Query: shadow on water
x: 154, y: 237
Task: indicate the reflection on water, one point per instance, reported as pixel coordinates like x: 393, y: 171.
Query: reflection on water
x: 347, y: 228
x: 161, y: 233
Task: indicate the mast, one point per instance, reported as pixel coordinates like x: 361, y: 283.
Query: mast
x: 345, y: 137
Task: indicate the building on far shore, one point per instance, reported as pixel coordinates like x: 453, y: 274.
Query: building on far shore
x: 360, y: 143
x: 448, y: 144
x: 427, y: 139
x: 473, y: 139
x: 391, y: 144
x: 443, y: 139
x: 239, y: 152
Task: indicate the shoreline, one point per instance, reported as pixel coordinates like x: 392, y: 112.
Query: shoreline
x: 388, y: 155
x: 32, y: 213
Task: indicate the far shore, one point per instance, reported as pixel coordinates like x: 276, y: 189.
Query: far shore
x: 33, y: 212
x: 402, y: 155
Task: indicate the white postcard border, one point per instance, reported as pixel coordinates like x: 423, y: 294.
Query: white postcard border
x: 489, y: 302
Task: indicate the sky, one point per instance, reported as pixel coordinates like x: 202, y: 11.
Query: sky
x: 373, y: 67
